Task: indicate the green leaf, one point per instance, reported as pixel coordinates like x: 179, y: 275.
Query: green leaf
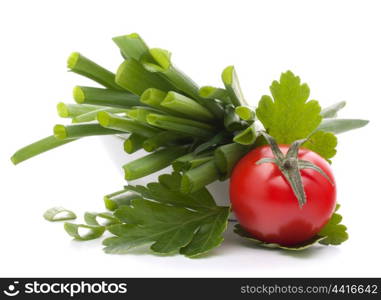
x: 288, y: 116
x: 323, y: 143
x: 331, y: 111
x: 167, y: 191
x: 240, y: 231
x: 341, y: 125
x: 333, y: 232
x: 208, y: 236
x: 169, y: 221
x: 55, y: 214
x: 122, y: 243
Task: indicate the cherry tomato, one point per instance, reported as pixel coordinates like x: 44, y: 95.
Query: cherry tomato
x: 266, y: 206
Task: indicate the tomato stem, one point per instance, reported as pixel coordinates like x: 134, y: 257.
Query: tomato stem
x: 290, y: 166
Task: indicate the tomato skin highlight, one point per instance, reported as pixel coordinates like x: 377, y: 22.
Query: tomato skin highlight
x: 266, y: 206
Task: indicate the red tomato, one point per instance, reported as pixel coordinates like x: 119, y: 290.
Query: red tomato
x: 266, y: 206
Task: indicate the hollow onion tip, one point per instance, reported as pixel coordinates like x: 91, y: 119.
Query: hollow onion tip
x: 152, y: 96
x: 62, y: 110
x: 132, y: 46
x: 123, y: 197
x: 162, y: 57
x: 60, y: 131
x: 227, y: 156
x: 244, y: 112
x: 197, y: 178
x: 206, y: 91
x: 133, y: 143
x: 104, y: 118
x: 78, y: 94
x: 134, y: 77
x: 72, y: 60
x: 149, y: 146
x: 230, y: 80
x: 153, y: 118
x: 227, y: 75
x: 186, y: 106
x: 129, y: 146
x: 246, y: 136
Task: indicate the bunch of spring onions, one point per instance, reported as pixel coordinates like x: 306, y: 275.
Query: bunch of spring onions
x: 201, y: 131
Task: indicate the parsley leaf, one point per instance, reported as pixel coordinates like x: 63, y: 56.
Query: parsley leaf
x: 288, y: 116
x: 323, y: 143
x: 305, y: 245
x: 171, y: 222
x: 167, y: 191
x: 334, y: 232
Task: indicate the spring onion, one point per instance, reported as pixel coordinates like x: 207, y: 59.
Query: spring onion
x: 133, y: 143
x: 246, y: 136
x: 65, y: 110
x: 164, y: 138
x: 81, y: 130
x: 245, y: 113
x: 116, y: 122
x: 186, y: 106
x: 123, y: 197
x: 181, y: 125
x: 210, y: 92
x: 152, y: 162
x: 105, y: 97
x: 38, y: 147
x: 197, y: 178
x: 132, y: 76
x: 228, y: 155
x: 82, y: 65
x: 230, y: 80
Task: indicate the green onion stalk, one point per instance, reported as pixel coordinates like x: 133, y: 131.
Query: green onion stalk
x: 200, y: 131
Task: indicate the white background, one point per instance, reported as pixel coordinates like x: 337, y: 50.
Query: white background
x: 334, y: 46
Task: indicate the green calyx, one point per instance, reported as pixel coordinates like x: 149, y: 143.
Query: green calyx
x: 290, y: 166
